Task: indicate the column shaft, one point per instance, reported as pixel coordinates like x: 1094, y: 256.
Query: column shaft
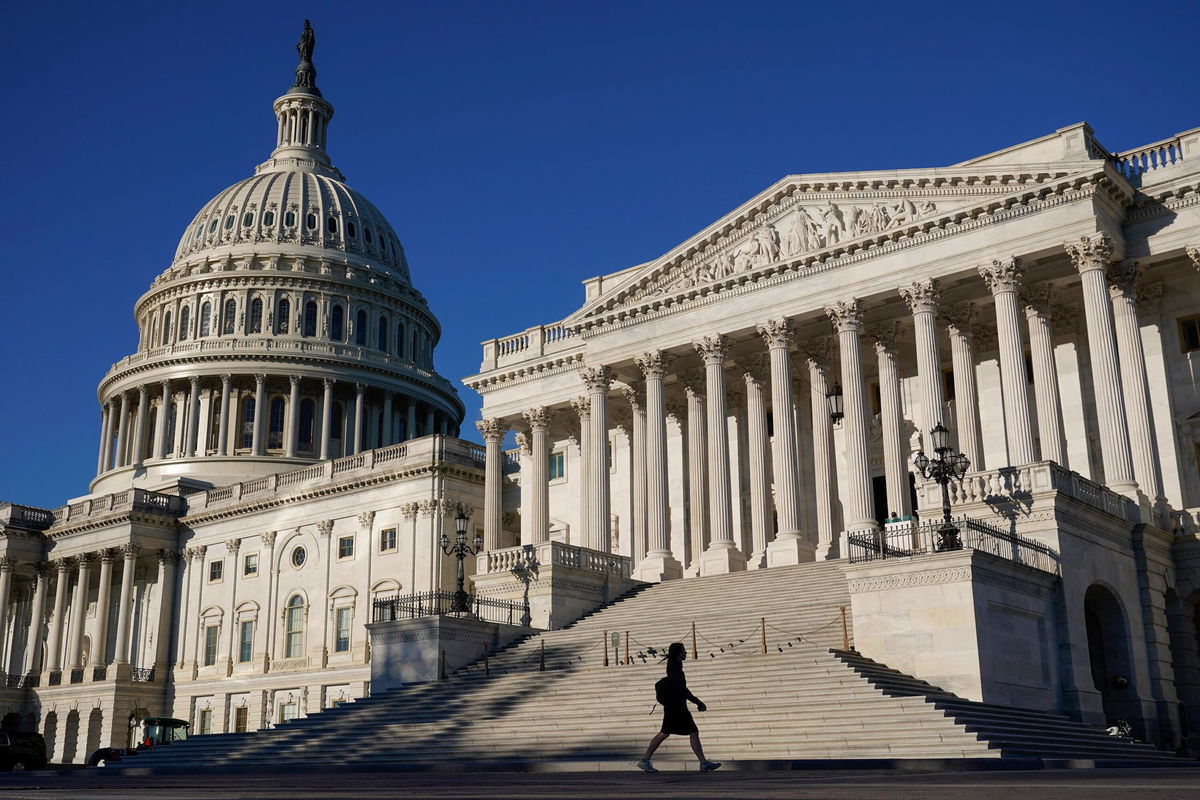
x: 223, y: 421
x: 161, y: 424
x: 966, y: 395
x: 659, y: 562
x: 583, y: 406
x: 193, y: 418
x: 292, y: 427
x: 37, y: 620
x: 859, y: 506
x: 258, y: 439
x: 598, y: 381
x: 139, y: 428
x: 410, y: 421
x: 326, y: 418
x: 722, y: 554
x: 638, y: 479
x: 386, y: 434
x: 109, y: 432
x: 359, y: 392
x: 1045, y: 384
x: 785, y: 448
x: 758, y: 458
x: 539, y: 511
x: 105, y: 417
x: 697, y: 445
x: 103, y: 596
x: 125, y: 602
x: 122, y: 431
x: 824, y: 466
x: 1003, y: 278
x: 922, y: 298
x: 166, y: 605
x: 493, y: 431
x: 79, y: 613
x: 54, y: 643
x: 894, y: 462
x: 1144, y: 450
x: 6, y: 568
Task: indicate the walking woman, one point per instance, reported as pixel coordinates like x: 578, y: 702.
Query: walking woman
x: 673, y: 694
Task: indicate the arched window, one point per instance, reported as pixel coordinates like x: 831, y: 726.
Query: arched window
x: 294, y: 627
x: 383, y: 333
x: 185, y: 322
x: 307, y: 419
x: 310, y: 318
x: 360, y: 328
x: 285, y: 311
x: 332, y: 224
x: 400, y: 340
x: 337, y: 324
x: 255, y: 316
x: 214, y: 424
x: 248, y: 423
x: 276, y: 437
x: 268, y: 219
x: 206, y: 319
x: 335, y: 429
x: 171, y: 414
x: 166, y: 330
x: 227, y: 324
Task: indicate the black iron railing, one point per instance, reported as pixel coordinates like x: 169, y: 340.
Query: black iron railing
x: 974, y: 534
x: 21, y: 681
x: 142, y: 675
x: 432, y: 604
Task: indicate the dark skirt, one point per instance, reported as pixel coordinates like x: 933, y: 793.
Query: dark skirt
x: 677, y: 720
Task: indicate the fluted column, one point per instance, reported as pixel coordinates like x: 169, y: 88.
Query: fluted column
x: 960, y: 324
x: 582, y: 406
x: 326, y: 417
x: 538, y: 420
x: 493, y: 431
x: 1144, y: 449
x: 37, y: 618
x: 1045, y: 376
x: 359, y: 392
x: 1003, y: 278
x: 54, y: 643
x: 922, y: 298
x: 106, y: 452
x: 598, y: 380
x: 859, y: 508
x: 139, y: 428
x: 824, y: 465
x: 105, y: 422
x: 103, y: 597
x: 258, y: 439
x: 291, y: 425
x: 122, y: 431
x: 697, y: 447
x: 659, y: 563
x: 755, y: 370
x: 79, y: 612
x: 223, y: 420
x: 385, y: 433
x: 639, y: 541
x: 125, y: 603
x: 6, y: 567
x: 160, y: 423
x: 410, y: 420
x: 895, y: 466
x: 722, y: 554
x: 166, y: 606
x: 193, y: 417
x: 790, y: 546
x: 1091, y: 255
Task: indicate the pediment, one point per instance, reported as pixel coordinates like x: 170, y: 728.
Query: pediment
x: 807, y: 217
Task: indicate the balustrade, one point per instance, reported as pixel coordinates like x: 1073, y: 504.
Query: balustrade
x: 533, y: 556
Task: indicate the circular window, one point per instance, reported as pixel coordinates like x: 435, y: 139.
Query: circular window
x: 298, y: 556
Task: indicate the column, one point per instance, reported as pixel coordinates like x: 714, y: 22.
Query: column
x: 895, y: 465
x: 754, y: 373
x: 639, y: 541
x: 583, y: 409
x: 79, y: 612
x: 292, y: 425
x: 1045, y: 375
x: 1146, y: 467
x: 191, y: 624
x: 223, y: 422
x: 1003, y: 278
x: 326, y: 417
x: 6, y: 567
x: 922, y: 299
x: 697, y: 447
x: 258, y: 437
x: 659, y: 563
x: 1091, y: 255
x: 37, y: 618
x: 428, y: 420
x: 538, y: 420
x: 493, y: 431
x: 359, y: 392
x: 859, y: 507
x: 160, y: 425
x: 722, y: 554
x: 125, y: 602
x: 122, y: 431
x: 105, y: 420
x: 139, y: 428
x: 410, y: 420
x: 386, y: 433
x: 789, y: 545
x: 99, y: 655
x: 107, y: 453
x: 193, y: 417
x: 824, y: 478
x: 54, y: 643
x: 960, y: 324
x: 166, y: 606
x: 597, y: 380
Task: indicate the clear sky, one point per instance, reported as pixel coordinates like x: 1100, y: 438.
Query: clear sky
x: 517, y: 147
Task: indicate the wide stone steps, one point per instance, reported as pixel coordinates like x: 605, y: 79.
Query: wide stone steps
x: 801, y: 701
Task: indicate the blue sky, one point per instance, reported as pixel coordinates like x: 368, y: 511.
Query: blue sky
x: 518, y: 148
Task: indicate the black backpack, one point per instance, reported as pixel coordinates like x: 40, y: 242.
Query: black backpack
x: 666, y: 691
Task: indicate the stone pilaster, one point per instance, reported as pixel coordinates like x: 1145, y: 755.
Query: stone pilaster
x: 1003, y: 278
x: 847, y: 319
x: 722, y: 554
x: 660, y: 563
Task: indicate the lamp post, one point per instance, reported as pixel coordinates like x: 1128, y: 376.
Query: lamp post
x: 460, y: 550
x: 945, y: 466
x: 834, y: 401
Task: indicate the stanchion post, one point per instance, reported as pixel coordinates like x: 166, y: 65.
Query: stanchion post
x: 442, y: 666
x: 605, y: 648
x: 762, y: 626
x: 845, y: 630
x: 627, y: 648
x: 542, y: 666
x: 694, y: 653
x: 487, y: 670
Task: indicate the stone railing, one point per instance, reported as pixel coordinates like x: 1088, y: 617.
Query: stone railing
x: 26, y: 516
x: 1017, y: 483
x: 1133, y: 164
x: 1185, y: 522
x: 537, y: 341
x: 427, y: 449
x: 531, y: 557
x: 127, y: 500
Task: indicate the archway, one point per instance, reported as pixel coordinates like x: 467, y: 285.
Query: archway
x: 1183, y: 630
x: 95, y: 733
x: 1109, y: 656
x: 50, y: 732
x: 71, y: 738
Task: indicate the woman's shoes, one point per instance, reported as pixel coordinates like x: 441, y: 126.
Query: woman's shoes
x: 709, y: 766
x: 645, y: 766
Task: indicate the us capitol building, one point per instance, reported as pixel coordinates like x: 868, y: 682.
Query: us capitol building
x: 280, y: 452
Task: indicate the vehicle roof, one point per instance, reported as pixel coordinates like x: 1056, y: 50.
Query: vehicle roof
x: 165, y: 721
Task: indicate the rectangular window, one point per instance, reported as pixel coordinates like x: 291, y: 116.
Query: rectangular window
x: 558, y: 466
x: 387, y: 540
x: 216, y: 571
x: 346, y: 547
x: 250, y: 565
x: 288, y: 711
x: 342, y: 644
x: 206, y: 721
x: 211, y: 633
x: 1189, y: 334
x: 245, y: 641
x: 241, y: 719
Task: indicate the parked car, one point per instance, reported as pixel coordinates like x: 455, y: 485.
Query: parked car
x: 22, y: 751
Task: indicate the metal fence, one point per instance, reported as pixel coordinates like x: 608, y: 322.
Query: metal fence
x: 973, y: 534
x: 433, y: 604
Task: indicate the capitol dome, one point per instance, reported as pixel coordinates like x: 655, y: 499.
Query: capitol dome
x: 286, y: 329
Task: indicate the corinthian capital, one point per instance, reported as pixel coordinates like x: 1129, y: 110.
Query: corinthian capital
x: 1123, y: 278
x: 582, y: 406
x: 492, y: 429
x: 1002, y: 275
x: 596, y: 379
x: 756, y: 368
x: 922, y: 295
x: 694, y: 381
x: 538, y: 419
x: 776, y: 333
x: 1194, y: 254
x: 846, y: 315
x: 886, y: 336
x: 1090, y: 252
x: 654, y: 364
x: 713, y: 349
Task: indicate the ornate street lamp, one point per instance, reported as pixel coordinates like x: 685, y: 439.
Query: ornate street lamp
x: 460, y: 550
x: 833, y: 399
x: 947, y: 466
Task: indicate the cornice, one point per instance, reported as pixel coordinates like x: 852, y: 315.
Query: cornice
x: 527, y: 372
x: 123, y: 517
x: 1147, y: 206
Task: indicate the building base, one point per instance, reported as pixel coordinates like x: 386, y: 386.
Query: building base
x: 656, y: 569
x: 788, y: 549
x: 719, y: 561
x: 412, y: 650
